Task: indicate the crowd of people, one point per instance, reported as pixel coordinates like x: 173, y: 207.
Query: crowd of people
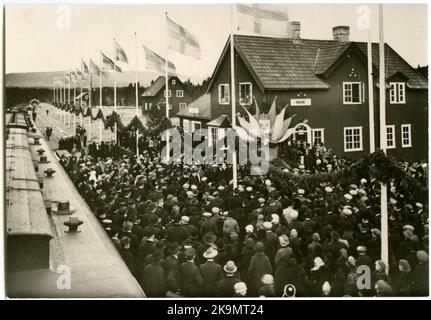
x: 183, y: 230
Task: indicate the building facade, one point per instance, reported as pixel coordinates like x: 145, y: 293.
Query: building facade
x: 325, y: 85
x: 154, y: 96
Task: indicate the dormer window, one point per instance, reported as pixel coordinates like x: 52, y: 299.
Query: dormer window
x: 223, y: 93
x: 353, y: 93
x: 245, y: 93
x: 397, y: 92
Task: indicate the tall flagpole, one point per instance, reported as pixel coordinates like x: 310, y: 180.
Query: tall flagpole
x: 68, y: 98
x: 64, y: 111
x: 370, y: 93
x: 167, y: 82
x: 100, y: 96
x: 233, y: 98
x: 383, y: 186
x: 74, y: 102
x: 80, y: 92
x: 136, y: 94
x: 91, y: 105
x: 115, y: 89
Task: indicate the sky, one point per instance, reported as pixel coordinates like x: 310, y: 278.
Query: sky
x: 42, y: 38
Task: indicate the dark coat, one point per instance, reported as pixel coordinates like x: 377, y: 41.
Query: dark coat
x: 191, y: 279
x: 225, y: 287
x: 211, y: 273
x: 153, y: 280
x: 259, y: 265
x: 289, y: 272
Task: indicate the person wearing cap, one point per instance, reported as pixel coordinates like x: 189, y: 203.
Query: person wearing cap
x: 259, y: 265
x: 267, y: 289
x: 420, y: 275
x: 211, y: 272
x: 225, y: 287
x: 404, y: 246
x: 270, y: 243
x: 126, y: 254
x: 191, y: 278
x: 172, y: 268
x: 363, y: 259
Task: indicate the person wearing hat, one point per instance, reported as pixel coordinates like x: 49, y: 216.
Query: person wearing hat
x: 191, y: 278
x: 404, y: 246
x: 259, y: 265
x: 225, y: 287
x: 126, y: 254
x: 363, y: 259
x: 285, y: 250
x: 420, y: 275
x: 172, y: 268
x: 230, y: 225
x: 211, y: 272
x: 240, y: 289
x: 153, y: 278
x: 267, y: 289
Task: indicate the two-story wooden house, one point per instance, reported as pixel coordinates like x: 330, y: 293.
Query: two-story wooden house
x: 154, y: 96
x: 325, y: 84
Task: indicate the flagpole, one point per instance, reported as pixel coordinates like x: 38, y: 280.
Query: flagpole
x: 383, y: 186
x: 90, y: 104
x: 167, y: 82
x: 74, y: 102
x: 68, y: 97
x: 64, y: 111
x: 232, y: 76
x: 80, y: 92
x: 100, y: 96
x: 370, y: 93
x: 136, y: 94
x: 115, y: 90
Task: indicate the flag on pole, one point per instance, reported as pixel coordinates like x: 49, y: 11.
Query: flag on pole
x: 120, y: 54
x: 84, y: 67
x: 263, y: 19
x: 182, y: 40
x: 108, y: 64
x: 155, y: 62
x: 94, y: 69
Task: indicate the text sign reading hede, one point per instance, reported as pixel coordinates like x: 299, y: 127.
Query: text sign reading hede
x: 300, y: 102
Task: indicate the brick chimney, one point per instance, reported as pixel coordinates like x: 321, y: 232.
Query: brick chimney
x: 341, y: 33
x: 294, y: 29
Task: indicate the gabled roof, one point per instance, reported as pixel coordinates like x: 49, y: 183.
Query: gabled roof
x: 156, y: 86
x: 200, y: 108
x: 222, y: 121
x: 283, y: 64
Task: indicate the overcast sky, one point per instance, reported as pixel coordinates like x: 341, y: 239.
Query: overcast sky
x: 35, y: 43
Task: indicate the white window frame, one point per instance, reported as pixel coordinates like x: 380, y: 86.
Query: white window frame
x: 169, y: 93
x: 361, y: 92
x: 174, y: 82
x: 180, y: 93
x: 193, y: 123
x: 397, y: 93
x: 226, y: 100
x: 250, y: 101
x: 393, y: 144
x: 409, y: 131
x: 182, y: 106
x: 361, y: 147
x: 170, y: 106
x: 322, y: 134
x: 186, y: 125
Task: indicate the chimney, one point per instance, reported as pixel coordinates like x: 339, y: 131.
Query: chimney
x: 294, y: 29
x: 341, y: 33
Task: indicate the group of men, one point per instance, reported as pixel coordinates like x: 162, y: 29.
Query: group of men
x: 184, y: 231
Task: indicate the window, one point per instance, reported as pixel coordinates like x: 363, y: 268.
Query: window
x: 397, y: 93
x: 186, y: 125
x: 406, y: 135
x: 245, y: 93
x: 170, y: 106
x: 353, y: 93
x: 180, y: 93
x: 352, y: 139
x: 174, y: 82
x: 196, y: 125
x: 318, y: 136
x: 183, y: 106
x: 169, y: 93
x: 150, y: 105
x: 223, y: 93
x: 146, y: 106
x: 390, y: 137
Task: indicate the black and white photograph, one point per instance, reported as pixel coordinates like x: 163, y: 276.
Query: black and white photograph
x: 224, y: 151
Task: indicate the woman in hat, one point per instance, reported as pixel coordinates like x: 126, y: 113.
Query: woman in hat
x: 259, y: 265
x: 404, y: 281
x: 318, y: 275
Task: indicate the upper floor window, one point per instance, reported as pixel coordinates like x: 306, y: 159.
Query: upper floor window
x: 169, y: 93
x: 183, y: 106
x: 223, y: 93
x: 245, y: 93
x: 174, y: 82
x: 406, y: 135
x: 353, y: 93
x: 352, y: 139
x: 397, y: 92
x: 180, y: 93
x: 318, y: 136
x: 390, y: 137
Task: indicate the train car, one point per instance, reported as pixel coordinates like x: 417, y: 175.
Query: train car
x: 47, y: 257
